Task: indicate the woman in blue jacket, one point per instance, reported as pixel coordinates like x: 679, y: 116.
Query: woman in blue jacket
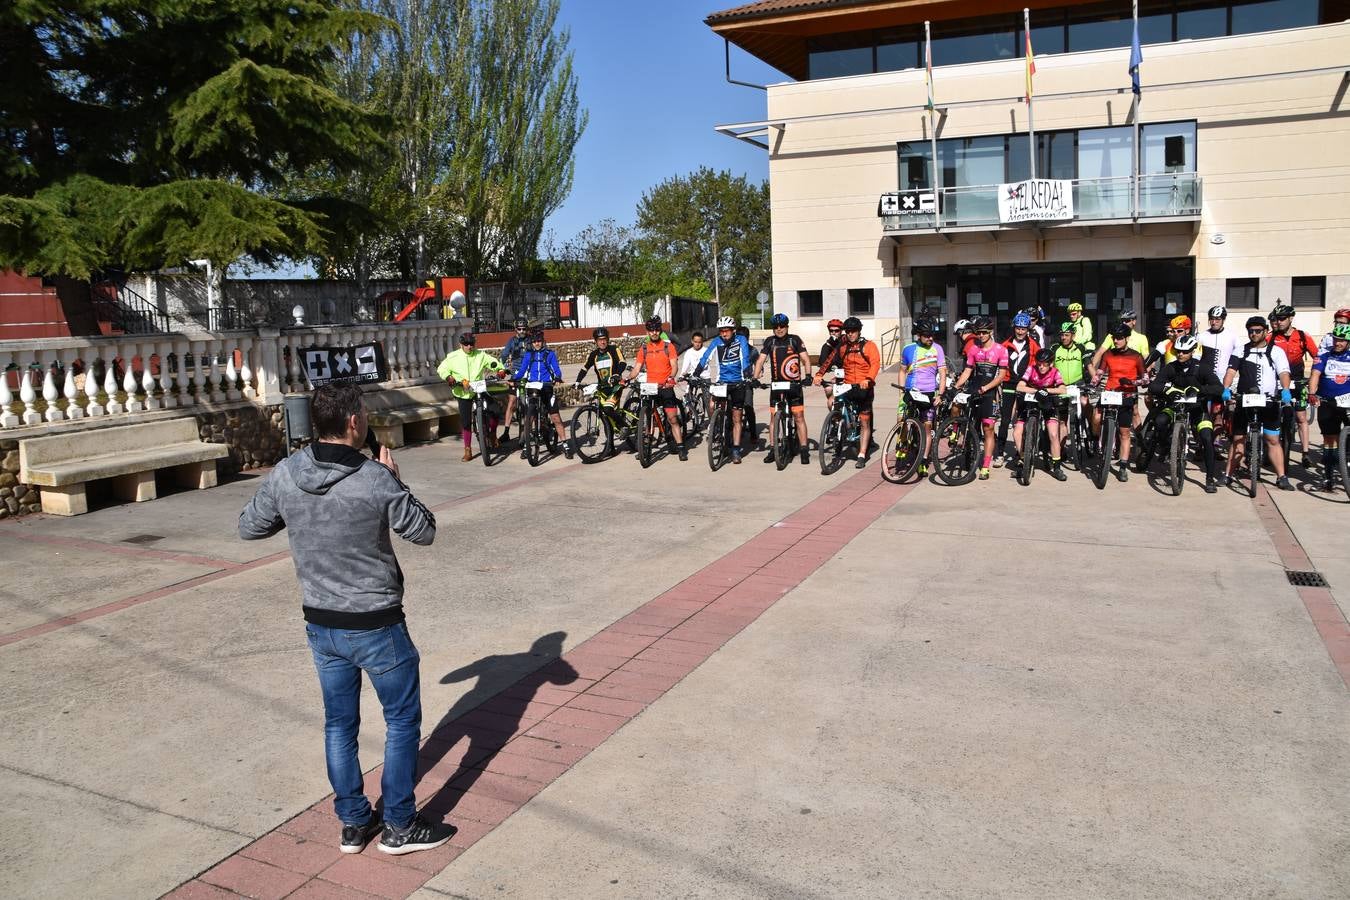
x: 539, y: 363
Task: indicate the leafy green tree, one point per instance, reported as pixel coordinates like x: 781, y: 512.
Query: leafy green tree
x: 143, y: 134
x: 711, y: 227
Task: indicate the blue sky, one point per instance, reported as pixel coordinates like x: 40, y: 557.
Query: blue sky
x: 653, y: 79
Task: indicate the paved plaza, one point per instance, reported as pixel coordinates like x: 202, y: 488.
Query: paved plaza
x: 678, y: 683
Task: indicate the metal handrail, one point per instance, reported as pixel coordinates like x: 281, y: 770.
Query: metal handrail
x: 890, y: 339
x: 126, y: 310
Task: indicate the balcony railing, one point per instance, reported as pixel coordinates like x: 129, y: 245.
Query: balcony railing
x: 1095, y: 200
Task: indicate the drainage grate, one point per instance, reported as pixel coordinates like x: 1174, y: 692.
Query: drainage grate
x: 143, y: 539
x: 1306, y: 579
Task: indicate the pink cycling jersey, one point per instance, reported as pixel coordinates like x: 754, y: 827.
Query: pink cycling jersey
x: 1034, y: 378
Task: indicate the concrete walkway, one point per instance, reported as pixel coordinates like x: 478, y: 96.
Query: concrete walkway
x: 772, y: 684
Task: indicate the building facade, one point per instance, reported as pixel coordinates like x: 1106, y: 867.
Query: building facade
x: 1226, y: 183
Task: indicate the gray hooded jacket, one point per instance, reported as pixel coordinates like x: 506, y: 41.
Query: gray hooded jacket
x: 338, y: 507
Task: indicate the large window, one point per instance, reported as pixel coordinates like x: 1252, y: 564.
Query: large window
x: 1242, y: 293
x: 1098, y: 26
x: 1309, y: 291
x: 1055, y: 155
x: 916, y: 165
x: 972, y: 163
x: 810, y: 304
x: 1168, y: 148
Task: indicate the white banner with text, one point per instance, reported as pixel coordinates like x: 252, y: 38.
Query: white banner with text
x: 1036, y: 200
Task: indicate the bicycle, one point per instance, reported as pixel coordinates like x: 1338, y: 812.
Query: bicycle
x: 1289, y: 419
x: 906, y: 446
x: 537, y: 432
x: 595, y: 425
x: 695, y: 404
x: 1079, y: 444
x: 1031, y: 435
x: 1179, y: 407
x: 842, y: 427
x: 1110, y: 403
x: 786, y: 441
x: 719, y: 428
x: 651, y: 422
x: 482, y: 412
x: 958, y: 443
x: 1256, y: 444
x: 1343, y: 409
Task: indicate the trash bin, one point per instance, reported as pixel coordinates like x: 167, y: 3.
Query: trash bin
x: 298, y: 427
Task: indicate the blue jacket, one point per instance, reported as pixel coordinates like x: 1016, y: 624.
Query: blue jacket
x: 538, y: 365
x: 514, y: 348
x: 734, y: 360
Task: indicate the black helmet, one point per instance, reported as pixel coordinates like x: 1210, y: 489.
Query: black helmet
x: 521, y: 323
x: 1256, y: 322
x: 654, y: 323
x: 1121, y: 330
x: 924, y: 326
x: 982, y: 324
x: 537, y: 334
x: 599, y: 333
x: 1283, y: 311
x: 1045, y: 356
x: 853, y: 323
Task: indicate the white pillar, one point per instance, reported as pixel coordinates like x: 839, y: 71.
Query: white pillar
x: 92, y: 407
x: 73, y: 410
x: 267, y: 366
x: 180, y: 377
x: 130, y: 383
x: 231, y: 384
x: 246, y: 370
x: 7, y: 417
x: 29, y: 397
x: 213, y: 375
x: 148, y: 379
x: 199, y: 371
x: 115, y: 404
x: 168, y: 397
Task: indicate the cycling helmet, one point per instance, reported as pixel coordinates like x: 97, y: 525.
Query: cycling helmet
x: 1075, y: 307
x: 1181, y: 322
x: 654, y: 323
x: 1021, y: 320
x: 1035, y: 312
x: 777, y: 320
x: 520, y: 323
x: 1256, y: 322
x: 1121, y: 331
x: 982, y: 324
x: 1185, y: 344
x: 853, y: 323
x: 1066, y: 328
x: 537, y: 334
x: 726, y: 322
x: 1342, y: 314
x: 1128, y: 313
x: 834, y: 323
x: 599, y: 333
x: 1218, y: 312
x: 1283, y: 311
x: 962, y: 325
x: 1341, y: 333
x: 924, y: 326
x: 1045, y: 356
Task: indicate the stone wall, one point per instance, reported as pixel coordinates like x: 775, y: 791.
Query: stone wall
x: 15, y: 498
x: 255, y: 436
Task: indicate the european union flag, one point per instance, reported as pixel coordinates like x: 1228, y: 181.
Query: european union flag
x: 1136, y: 57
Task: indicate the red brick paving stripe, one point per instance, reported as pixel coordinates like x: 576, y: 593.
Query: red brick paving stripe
x: 296, y: 854
x: 618, y: 672
x: 326, y: 890
x: 254, y: 879
x: 200, y: 890
x: 1320, y: 603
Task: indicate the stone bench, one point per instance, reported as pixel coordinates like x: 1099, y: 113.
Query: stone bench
x: 423, y: 412
x: 127, y: 455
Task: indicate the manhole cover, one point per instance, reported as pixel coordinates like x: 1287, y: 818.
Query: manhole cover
x: 143, y: 539
x: 1307, y: 579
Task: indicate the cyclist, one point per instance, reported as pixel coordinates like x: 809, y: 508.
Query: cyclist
x: 836, y: 332
x: 1164, y: 351
x: 1259, y: 367
x: 458, y: 369
x: 690, y: 357
x: 656, y: 358
x: 608, y: 362
x: 1184, y: 374
x: 1037, y: 316
x: 1042, y: 380
x: 788, y: 361
x: 1068, y: 355
x: 1330, y: 381
x: 1082, y: 327
x: 1119, y: 368
x: 515, y: 348
x: 540, y: 363
x: 861, y: 363
x: 733, y: 370
x: 1022, y: 349
x: 923, y: 367
x: 986, y: 369
x: 1219, y: 345
x: 1296, y: 345
x: 1342, y: 317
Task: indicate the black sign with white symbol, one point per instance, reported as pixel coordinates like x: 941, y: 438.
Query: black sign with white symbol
x: 361, y: 364
x: 908, y: 203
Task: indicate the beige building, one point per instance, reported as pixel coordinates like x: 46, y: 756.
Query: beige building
x: 1230, y: 187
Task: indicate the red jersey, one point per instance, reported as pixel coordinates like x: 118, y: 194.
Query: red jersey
x: 659, y: 358
x: 1121, y: 364
x: 1295, y: 345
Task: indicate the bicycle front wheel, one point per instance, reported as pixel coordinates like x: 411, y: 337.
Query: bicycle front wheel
x: 1341, y: 458
x: 1176, y: 467
x: 592, y: 435
x: 1031, y: 443
x: 958, y: 443
x: 533, y: 439
x: 782, y: 439
x: 1107, y: 448
x: 647, y: 439
x: 718, y: 439
x: 480, y: 428
x: 1255, y: 444
x: 902, y: 451
x: 832, y: 444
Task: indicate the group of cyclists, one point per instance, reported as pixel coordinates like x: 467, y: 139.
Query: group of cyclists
x: 1220, y: 383
x: 998, y: 383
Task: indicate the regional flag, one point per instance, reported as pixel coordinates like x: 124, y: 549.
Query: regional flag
x: 1031, y: 64
x: 928, y: 66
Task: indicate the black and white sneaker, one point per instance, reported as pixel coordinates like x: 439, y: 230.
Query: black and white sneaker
x: 355, y: 837
x: 419, y: 835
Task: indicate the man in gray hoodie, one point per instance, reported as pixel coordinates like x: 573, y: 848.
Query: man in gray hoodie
x: 338, y: 507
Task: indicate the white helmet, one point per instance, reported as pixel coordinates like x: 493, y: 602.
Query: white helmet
x: 1185, y: 343
x: 726, y: 322
x: 962, y: 325
x: 1218, y: 312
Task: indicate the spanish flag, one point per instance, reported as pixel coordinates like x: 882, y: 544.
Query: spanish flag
x: 1031, y: 63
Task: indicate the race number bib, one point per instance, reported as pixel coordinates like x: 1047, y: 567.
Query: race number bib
x: 842, y: 389
x: 478, y: 387
x: 589, y: 390
x: 962, y: 398
x: 836, y: 373
x: 1188, y: 401
x: 602, y: 364
x: 1251, y: 401
x: 918, y: 395
x: 534, y: 385
x: 649, y: 388
x: 1343, y: 401
x: 780, y: 385
x: 1073, y: 391
x: 718, y: 390
x: 1112, y: 398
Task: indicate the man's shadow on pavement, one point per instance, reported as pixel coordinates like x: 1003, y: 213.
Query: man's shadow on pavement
x: 479, y: 738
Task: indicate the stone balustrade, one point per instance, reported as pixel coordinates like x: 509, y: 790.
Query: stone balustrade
x: 52, y: 380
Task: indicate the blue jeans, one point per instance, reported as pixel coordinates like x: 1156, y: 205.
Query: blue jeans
x: 388, y: 656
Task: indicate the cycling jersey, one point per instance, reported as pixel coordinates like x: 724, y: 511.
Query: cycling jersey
x: 785, y: 361
x: 1335, y: 369
x: 1082, y: 334
x: 659, y: 360
x: 861, y: 361
x: 606, y: 362
x: 733, y: 359
x: 922, y: 365
x: 1137, y: 342
x: 1190, y: 374
x: 1259, y: 369
x: 1051, y: 379
x: 1121, y: 364
x: 1219, y: 347
x: 1020, y: 355
x: 986, y: 361
x: 515, y: 348
x: 461, y: 366
x: 1069, y: 362
x: 1295, y: 344
x: 538, y: 365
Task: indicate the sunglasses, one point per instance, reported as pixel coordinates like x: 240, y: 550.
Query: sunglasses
x: 985, y: 331
x: 1256, y: 331
x: 836, y: 331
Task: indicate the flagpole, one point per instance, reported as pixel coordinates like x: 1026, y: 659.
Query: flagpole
x: 932, y: 119
x: 1031, y: 122
x: 1136, y: 117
